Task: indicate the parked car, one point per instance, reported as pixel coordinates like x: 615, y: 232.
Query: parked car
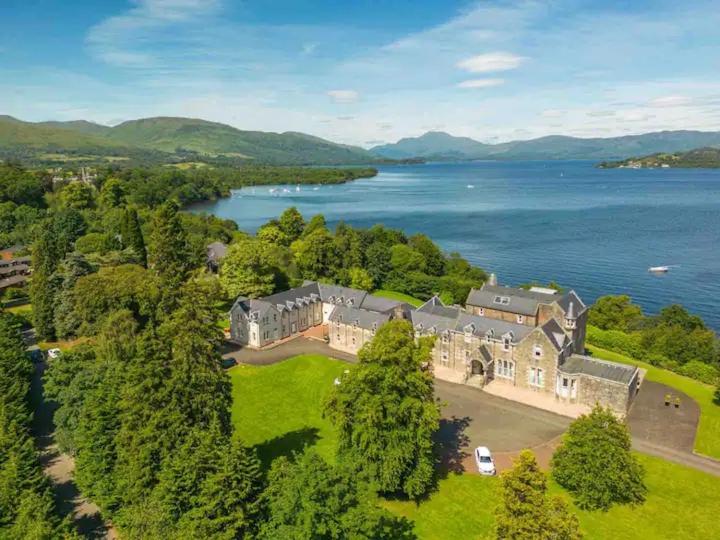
x: 54, y: 353
x: 228, y: 362
x: 484, y: 461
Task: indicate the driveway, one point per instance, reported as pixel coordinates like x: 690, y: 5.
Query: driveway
x: 471, y: 418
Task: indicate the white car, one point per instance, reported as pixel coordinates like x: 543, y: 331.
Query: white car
x: 54, y: 353
x: 484, y: 460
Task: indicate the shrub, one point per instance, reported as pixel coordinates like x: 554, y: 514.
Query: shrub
x: 700, y: 371
x: 615, y: 340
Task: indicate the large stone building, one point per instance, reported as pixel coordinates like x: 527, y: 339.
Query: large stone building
x: 530, y: 341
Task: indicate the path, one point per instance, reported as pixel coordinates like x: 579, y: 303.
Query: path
x: 478, y: 418
x: 59, y: 468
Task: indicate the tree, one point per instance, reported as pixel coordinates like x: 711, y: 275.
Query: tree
x: 434, y: 258
x: 347, y: 246
x: 170, y: 251
x: 45, y: 260
x: 316, y: 222
x: 311, y: 499
x: 360, y: 279
x: 615, y: 313
x: 131, y: 235
x: 291, y: 223
x: 77, y: 195
x: 525, y: 511
x: 271, y: 233
x: 406, y: 259
x: 595, y: 464
x: 247, y: 269
x: 314, y: 254
x: 379, y: 263
x: 386, y: 413
x: 112, y: 193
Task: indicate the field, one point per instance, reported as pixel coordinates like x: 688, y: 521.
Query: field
x: 708, y: 435
x: 278, y: 409
x: 399, y: 296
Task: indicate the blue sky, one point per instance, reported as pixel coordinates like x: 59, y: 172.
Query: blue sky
x: 368, y: 71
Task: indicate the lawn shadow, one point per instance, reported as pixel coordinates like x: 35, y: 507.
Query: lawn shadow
x: 287, y: 444
x: 452, y: 445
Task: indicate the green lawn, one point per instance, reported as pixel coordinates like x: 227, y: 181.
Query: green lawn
x: 278, y: 409
x: 708, y: 436
x: 399, y: 296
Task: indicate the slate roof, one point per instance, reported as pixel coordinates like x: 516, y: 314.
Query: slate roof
x: 368, y: 320
x: 521, y: 301
x: 555, y: 334
x: 434, y: 315
x: 331, y: 293
x: 377, y: 303
x: 602, y: 369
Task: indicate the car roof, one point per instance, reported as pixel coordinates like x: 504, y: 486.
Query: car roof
x: 482, y: 450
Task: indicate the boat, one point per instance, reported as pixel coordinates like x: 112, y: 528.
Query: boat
x: 271, y: 190
x: 297, y: 188
x: 286, y: 190
x: 315, y: 188
x: 471, y: 186
x: 659, y: 269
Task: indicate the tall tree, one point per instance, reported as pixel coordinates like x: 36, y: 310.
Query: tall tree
x: 526, y: 512
x: 45, y: 259
x: 434, y: 258
x: 247, y: 269
x: 615, y: 313
x: 169, y: 251
x: 314, y: 254
x: 379, y: 263
x: 311, y: 499
x: 386, y: 413
x: 291, y: 223
x: 132, y: 236
x: 595, y: 464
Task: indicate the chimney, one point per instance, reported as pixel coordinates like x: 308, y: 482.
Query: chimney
x: 492, y: 280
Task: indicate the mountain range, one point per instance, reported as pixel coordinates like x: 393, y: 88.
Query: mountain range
x: 437, y: 145
x: 171, y: 139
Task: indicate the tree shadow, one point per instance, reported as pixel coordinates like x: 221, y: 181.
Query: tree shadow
x: 451, y: 443
x: 286, y: 445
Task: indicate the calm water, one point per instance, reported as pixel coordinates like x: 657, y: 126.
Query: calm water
x: 594, y: 230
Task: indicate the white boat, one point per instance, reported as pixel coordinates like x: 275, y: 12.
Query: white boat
x: 286, y: 190
x: 297, y: 188
x: 470, y: 186
x: 272, y: 190
x: 659, y: 269
x: 315, y: 188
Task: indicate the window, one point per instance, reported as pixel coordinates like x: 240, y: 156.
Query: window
x: 445, y: 338
x: 537, y: 351
x: 444, y: 357
x: 353, y: 340
x: 536, y: 377
x: 506, y: 344
x: 505, y: 369
x: 275, y: 317
x: 520, y: 319
x: 502, y: 300
x: 481, y: 311
x: 337, y: 336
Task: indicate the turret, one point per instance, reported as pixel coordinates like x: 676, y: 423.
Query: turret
x: 571, y: 317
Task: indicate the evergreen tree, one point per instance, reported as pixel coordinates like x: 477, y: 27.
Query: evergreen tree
x: 525, y: 512
x: 311, y: 499
x: 379, y: 263
x: 170, y: 251
x: 131, y: 234
x: 595, y: 463
x: 386, y: 413
x: 45, y: 260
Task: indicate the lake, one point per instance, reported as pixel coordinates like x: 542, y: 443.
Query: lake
x: 595, y: 230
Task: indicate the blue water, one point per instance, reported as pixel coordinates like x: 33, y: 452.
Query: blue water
x: 594, y: 230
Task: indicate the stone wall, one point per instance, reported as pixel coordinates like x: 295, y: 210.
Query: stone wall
x: 611, y: 394
x: 525, y: 359
x: 348, y: 337
x: 527, y: 320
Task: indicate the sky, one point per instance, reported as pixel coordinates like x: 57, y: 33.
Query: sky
x: 368, y: 72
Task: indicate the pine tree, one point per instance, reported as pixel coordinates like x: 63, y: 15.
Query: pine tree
x: 525, y: 512
x: 131, y: 235
x: 45, y: 261
x: 170, y: 251
x: 386, y: 413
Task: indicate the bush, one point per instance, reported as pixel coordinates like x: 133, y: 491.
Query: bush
x: 615, y: 340
x: 700, y: 372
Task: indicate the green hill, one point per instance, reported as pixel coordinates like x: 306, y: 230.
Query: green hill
x: 700, y: 158
x: 173, y: 139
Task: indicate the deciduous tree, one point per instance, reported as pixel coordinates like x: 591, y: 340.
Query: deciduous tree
x: 247, y: 269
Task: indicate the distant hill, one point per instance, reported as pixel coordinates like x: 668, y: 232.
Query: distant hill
x: 437, y: 146
x: 700, y: 158
x: 166, y: 138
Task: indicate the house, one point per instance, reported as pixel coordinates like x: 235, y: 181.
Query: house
x: 14, y: 272
x: 505, y: 340
x: 263, y: 321
x: 214, y: 255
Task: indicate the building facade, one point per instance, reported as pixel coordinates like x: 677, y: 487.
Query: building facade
x: 532, y: 340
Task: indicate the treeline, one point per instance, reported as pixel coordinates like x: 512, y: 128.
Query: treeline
x: 673, y: 339
x: 286, y: 251
x: 27, y: 509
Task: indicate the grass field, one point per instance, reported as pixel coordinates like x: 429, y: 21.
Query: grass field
x: 708, y: 436
x: 278, y: 409
x: 399, y: 296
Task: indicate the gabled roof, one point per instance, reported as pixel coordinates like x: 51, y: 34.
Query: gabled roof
x: 382, y: 305
x: 555, y: 334
x: 368, y: 320
x: 521, y: 301
x: 336, y: 293
x: 602, y: 369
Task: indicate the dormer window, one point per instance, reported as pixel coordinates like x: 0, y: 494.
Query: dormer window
x: 506, y: 342
x: 570, y: 323
x: 350, y: 301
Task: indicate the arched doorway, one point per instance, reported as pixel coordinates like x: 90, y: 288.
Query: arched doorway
x: 476, y: 368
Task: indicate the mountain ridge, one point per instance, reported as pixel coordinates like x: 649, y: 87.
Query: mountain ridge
x: 441, y: 145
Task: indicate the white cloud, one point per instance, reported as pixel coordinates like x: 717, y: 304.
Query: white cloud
x: 343, y: 96
x: 552, y: 113
x: 496, y: 61
x: 671, y: 101
x: 481, y: 83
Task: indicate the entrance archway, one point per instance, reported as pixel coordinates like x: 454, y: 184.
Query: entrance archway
x: 477, y: 368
